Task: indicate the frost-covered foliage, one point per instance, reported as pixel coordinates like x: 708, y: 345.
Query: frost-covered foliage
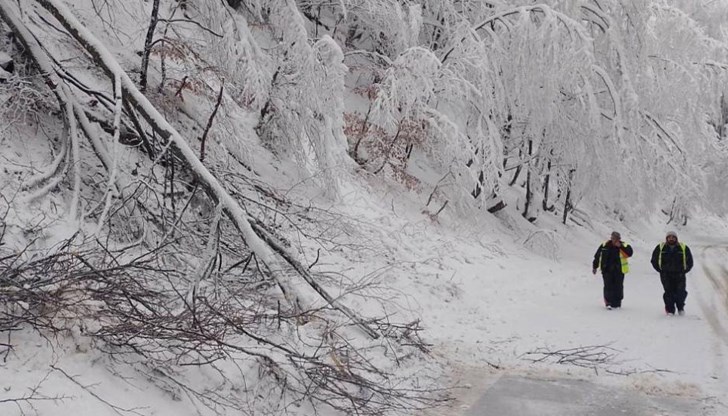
x: 490, y: 94
x: 303, y: 116
x: 610, y: 100
x: 251, y: 104
x: 159, y: 178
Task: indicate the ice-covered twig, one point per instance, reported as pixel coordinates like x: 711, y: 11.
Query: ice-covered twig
x: 298, y: 294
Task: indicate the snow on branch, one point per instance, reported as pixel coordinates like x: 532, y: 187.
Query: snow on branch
x: 297, y: 293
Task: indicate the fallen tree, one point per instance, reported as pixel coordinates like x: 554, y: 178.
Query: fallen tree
x: 148, y: 309
x: 296, y: 296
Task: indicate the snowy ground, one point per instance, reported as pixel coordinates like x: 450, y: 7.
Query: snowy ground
x: 486, y: 302
x: 489, y: 296
x: 512, y: 306
x: 492, y: 294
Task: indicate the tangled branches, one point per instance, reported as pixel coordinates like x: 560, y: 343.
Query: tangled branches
x: 222, y: 293
x: 145, y: 307
x: 592, y: 356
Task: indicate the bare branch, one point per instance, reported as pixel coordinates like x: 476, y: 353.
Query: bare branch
x: 209, y: 121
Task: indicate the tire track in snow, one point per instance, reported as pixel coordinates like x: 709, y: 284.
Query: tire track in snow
x: 714, y: 305
x: 717, y: 275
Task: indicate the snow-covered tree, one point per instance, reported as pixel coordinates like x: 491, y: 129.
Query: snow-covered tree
x: 185, y: 134
x: 303, y: 116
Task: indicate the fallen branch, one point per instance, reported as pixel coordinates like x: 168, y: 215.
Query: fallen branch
x: 118, y: 410
x: 265, y: 250
x: 306, y: 275
x: 592, y: 356
x: 33, y: 396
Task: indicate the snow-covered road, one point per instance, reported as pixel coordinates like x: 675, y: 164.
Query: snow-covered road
x: 524, y: 396
x: 535, y: 310
x: 714, y: 305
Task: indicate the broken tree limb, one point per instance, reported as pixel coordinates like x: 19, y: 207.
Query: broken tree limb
x: 69, y: 155
x: 306, y: 275
x: 114, y: 153
x: 294, y: 292
x: 60, y: 90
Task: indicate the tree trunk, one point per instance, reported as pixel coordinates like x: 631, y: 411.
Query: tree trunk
x: 518, y: 171
x: 478, y: 186
x: 723, y: 119
x: 494, y: 203
x: 148, y: 45
x: 567, y: 203
x: 529, y: 194
x: 547, y: 179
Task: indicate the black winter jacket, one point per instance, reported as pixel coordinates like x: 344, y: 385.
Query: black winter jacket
x: 672, y: 259
x: 607, y: 257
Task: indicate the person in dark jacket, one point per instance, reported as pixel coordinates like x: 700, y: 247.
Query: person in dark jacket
x: 611, y: 258
x: 673, y: 259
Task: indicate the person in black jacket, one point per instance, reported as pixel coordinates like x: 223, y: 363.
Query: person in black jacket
x: 611, y: 258
x: 673, y: 260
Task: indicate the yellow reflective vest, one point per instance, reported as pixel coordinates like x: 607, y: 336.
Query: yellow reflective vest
x: 684, y: 257
x: 623, y: 258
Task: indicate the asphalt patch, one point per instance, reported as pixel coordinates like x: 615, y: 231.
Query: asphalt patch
x: 521, y: 396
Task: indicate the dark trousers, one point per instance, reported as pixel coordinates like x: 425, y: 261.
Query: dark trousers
x: 675, y: 293
x: 613, y: 288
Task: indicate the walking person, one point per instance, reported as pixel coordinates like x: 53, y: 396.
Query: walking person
x: 673, y: 259
x: 611, y: 258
